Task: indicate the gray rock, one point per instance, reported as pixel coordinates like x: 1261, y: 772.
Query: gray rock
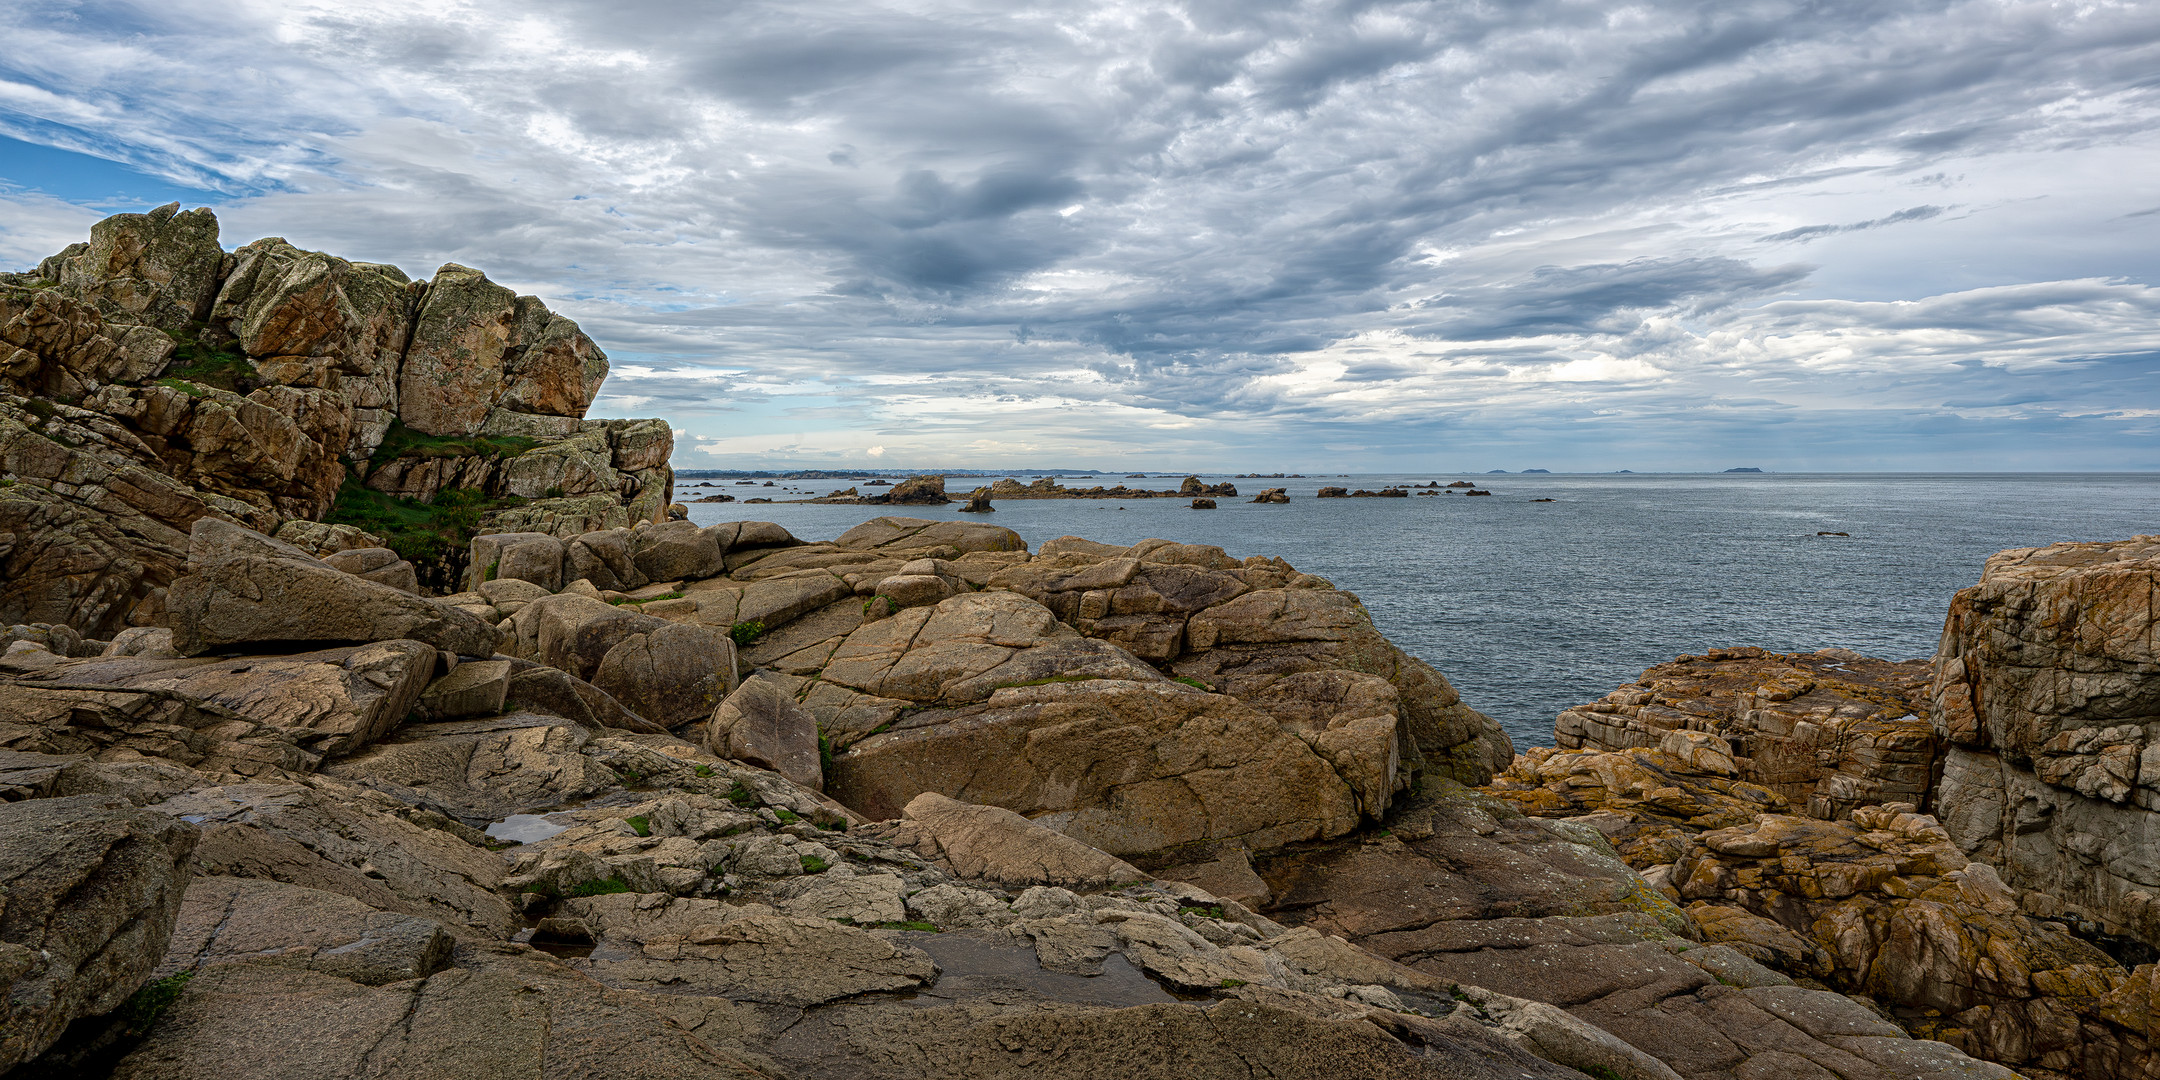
x: 213, y: 539
x: 250, y: 598
x: 332, y: 836
x: 760, y: 724
x: 676, y: 551
x: 990, y: 843
x: 524, y: 556
x: 475, y: 688
x: 91, y: 889
x: 228, y: 920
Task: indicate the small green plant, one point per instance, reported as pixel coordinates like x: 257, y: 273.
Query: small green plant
x: 882, y: 728
x: 41, y: 408
x: 740, y: 795
x: 143, y: 1009
x: 787, y: 817
x: 182, y: 385
x: 401, y: 441
x: 419, y: 531
x: 640, y: 825
x: 837, y: 826
x: 703, y: 770
x: 603, y: 887
x: 222, y: 366
x: 492, y: 568
x: 633, y: 601
x: 1232, y: 984
x: 811, y: 864
x: 555, y: 492
x: 629, y: 777
x: 1190, y: 681
x: 1205, y: 911
x: 824, y: 753
x: 746, y: 632
x: 1047, y: 680
x: 737, y: 828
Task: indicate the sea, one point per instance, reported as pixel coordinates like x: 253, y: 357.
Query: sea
x: 1531, y: 606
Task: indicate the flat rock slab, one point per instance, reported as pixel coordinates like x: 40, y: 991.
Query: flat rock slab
x: 497, y: 1017
x: 483, y: 770
x: 735, y: 953
x: 247, y: 598
x: 226, y: 920
x: 326, y: 835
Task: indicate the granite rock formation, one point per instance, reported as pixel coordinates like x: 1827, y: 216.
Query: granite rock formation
x: 1829, y: 731
x: 150, y: 379
x: 2047, y: 690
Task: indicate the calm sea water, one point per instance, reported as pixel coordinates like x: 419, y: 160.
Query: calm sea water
x: 1530, y: 607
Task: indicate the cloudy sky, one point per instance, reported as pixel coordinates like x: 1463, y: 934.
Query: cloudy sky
x: 1228, y: 234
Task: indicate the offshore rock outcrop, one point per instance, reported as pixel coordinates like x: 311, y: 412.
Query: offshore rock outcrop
x: 150, y: 379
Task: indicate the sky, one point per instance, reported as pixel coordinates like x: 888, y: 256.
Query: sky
x: 1222, y: 235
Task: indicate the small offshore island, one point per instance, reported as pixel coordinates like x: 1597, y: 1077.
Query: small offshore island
x: 367, y: 710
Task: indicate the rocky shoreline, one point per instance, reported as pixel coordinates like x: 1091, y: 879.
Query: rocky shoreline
x: 368, y: 712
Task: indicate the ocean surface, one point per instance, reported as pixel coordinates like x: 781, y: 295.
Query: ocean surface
x: 1531, y: 607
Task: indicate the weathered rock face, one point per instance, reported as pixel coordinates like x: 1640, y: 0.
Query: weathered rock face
x: 248, y: 599
x: 1902, y: 916
x: 1464, y: 891
x: 284, y: 372
x: 325, y: 702
x: 760, y: 724
x: 989, y: 843
x: 2047, y: 689
x: 92, y: 887
x: 1828, y: 731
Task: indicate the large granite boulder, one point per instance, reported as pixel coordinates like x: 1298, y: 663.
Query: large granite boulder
x: 760, y: 724
x: 993, y: 844
x: 669, y: 673
x: 251, y: 599
x: 2047, y: 689
x: 91, y: 888
x: 326, y: 702
x: 1131, y: 767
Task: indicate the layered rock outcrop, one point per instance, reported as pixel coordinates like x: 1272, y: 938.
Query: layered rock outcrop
x: 2047, y: 690
x: 150, y: 379
x: 1828, y: 731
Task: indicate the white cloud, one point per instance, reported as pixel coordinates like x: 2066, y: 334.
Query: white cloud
x: 1226, y: 232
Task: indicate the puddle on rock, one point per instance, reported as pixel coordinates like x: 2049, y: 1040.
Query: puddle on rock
x: 972, y: 967
x: 524, y: 828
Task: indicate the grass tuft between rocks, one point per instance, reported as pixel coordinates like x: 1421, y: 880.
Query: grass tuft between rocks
x: 416, y: 530
x: 143, y: 1009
